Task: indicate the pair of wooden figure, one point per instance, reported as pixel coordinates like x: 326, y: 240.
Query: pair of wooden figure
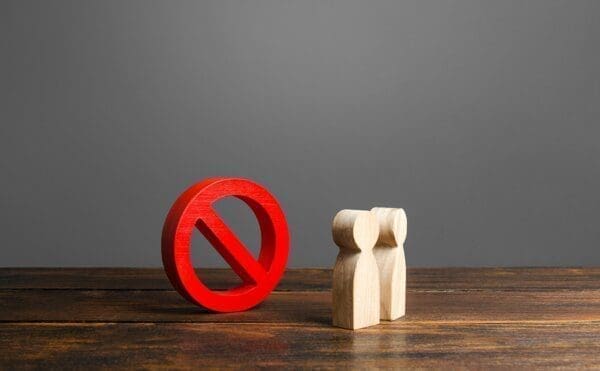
x: 369, y: 277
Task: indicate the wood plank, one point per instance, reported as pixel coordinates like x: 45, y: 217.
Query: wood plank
x: 501, y: 279
x: 309, y: 308
x: 456, y: 318
x: 145, y: 279
x: 186, y: 346
x: 505, y: 279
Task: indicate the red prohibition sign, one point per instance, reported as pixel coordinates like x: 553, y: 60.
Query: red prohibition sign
x: 193, y: 209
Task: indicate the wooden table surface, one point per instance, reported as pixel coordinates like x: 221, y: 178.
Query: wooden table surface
x: 456, y: 317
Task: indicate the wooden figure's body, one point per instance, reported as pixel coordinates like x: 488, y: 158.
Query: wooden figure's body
x: 389, y: 253
x: 355, y: 274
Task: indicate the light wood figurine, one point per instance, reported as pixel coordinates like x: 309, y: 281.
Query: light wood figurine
x: 355, y: 274
x: 389, y: 253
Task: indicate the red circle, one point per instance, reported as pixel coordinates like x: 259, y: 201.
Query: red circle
x: 193, y: 209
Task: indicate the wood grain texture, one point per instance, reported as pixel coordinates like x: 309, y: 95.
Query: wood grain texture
x: 455, y: 318
x: 243, y: 346
x: 306, y: 279
x: 146, y: 279
x: 293, y: 307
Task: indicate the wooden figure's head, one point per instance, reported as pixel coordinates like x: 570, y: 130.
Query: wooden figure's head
x: 392, y: 226
x: 355, y: 230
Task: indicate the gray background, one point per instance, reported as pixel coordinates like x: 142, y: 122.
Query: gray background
x: 480, y: 118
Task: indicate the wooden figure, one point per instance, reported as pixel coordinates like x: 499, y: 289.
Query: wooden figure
x: 389, y: 253
x: 355, y: 275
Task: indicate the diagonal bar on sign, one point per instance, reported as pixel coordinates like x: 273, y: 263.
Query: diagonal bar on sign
x: 235, y: 253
